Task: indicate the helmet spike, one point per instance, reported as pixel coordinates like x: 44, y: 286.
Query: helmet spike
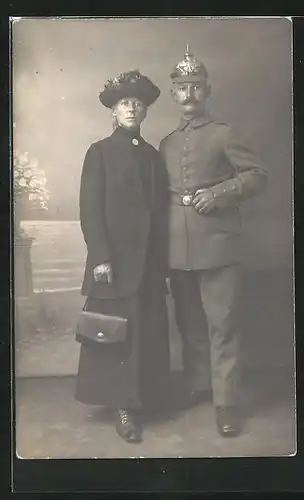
x: 187, y: 51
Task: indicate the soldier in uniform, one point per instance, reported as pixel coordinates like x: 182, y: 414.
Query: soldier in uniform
x: 123, y: 199
x: 211, y: 172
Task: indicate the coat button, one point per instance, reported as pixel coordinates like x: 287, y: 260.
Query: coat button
x: 135, y: 142
x: 100, y: 335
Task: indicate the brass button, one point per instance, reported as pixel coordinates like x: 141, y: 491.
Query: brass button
x: 135, y: 142
x: 100, y: 335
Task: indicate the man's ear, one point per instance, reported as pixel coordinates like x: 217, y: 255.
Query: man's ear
x: 173, y: 95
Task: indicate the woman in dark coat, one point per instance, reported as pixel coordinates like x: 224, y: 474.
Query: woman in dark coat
x: 123, y: 219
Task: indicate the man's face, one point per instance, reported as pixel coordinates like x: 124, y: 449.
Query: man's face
x: 190, y: 96
x: 130, y: 112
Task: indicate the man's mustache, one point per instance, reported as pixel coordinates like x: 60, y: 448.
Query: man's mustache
x: 190, y: 100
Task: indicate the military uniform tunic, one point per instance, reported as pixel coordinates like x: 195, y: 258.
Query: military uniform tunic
x: 203, y: 153
x: 205, y: 249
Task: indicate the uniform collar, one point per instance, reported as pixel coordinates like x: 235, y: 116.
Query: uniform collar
x: 124, y: 134
x: 196, y: 122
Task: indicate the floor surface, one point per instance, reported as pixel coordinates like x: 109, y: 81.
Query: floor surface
x: 51, y: 424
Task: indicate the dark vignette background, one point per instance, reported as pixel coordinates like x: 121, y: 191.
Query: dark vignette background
x: 190, y: 475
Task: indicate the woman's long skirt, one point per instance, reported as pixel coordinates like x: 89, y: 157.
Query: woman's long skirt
x: 133, y: 374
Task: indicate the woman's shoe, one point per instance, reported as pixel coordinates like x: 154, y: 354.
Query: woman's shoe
x: 127, y: 427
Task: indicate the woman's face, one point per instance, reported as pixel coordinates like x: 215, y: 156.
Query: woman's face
x: 130, y: 112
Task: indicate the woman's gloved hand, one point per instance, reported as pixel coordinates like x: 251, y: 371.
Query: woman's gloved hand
x: 104, y: 273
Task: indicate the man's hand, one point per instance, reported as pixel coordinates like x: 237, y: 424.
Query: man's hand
x: 203, y: 201
x: 103, y: 273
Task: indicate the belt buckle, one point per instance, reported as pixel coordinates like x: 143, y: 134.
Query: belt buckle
x: 186, y: 200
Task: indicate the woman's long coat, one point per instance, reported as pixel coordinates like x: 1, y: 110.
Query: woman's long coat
x: 123, y: 205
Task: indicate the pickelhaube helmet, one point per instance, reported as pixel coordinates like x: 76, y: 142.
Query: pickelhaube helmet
x: 129, y: 84
x: 189, y: 69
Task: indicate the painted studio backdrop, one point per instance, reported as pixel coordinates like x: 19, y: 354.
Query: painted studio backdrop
x: 59, y: 67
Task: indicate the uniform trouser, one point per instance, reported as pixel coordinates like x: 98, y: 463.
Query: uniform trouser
x: 205, y: 302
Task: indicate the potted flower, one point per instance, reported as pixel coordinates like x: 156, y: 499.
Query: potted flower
x: 29, y: 187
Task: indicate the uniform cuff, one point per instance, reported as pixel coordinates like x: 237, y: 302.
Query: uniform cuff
x: 227, y: 192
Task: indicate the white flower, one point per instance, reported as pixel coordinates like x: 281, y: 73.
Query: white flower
x: 30, y: 180
x: 33, y: 183
x: 23, y: 159
x: 39, y: 182
x: 28, y: 172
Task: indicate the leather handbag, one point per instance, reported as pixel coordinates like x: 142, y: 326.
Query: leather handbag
x: 100, y: 328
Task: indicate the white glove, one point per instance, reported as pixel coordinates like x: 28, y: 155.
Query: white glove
x: 104, y: 273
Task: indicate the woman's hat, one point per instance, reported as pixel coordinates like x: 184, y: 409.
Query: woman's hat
x: 129, y: 84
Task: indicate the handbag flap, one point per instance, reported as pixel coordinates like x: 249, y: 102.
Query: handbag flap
x: 101, y: 328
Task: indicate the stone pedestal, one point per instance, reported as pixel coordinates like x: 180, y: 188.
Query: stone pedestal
x: 23, y: 267
x: 23, y: 285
